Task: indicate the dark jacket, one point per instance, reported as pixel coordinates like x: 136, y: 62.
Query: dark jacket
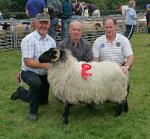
x: 82, y: 52
x: 67, y: 9
x: 54, y: 8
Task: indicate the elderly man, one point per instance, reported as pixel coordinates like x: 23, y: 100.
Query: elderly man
x: 80, y: 48
x: 34, y: 73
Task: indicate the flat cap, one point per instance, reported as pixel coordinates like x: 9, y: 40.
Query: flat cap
x: 42, y: 17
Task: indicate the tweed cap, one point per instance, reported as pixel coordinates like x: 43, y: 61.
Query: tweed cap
x: 42, y: 17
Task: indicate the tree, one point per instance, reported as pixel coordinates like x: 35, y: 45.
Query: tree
x: 19, y: 5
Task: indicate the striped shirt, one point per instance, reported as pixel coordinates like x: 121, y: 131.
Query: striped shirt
x: 32, y: 46
x: 118, y: 51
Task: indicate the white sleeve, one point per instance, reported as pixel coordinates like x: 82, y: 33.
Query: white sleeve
x: 95, y: 49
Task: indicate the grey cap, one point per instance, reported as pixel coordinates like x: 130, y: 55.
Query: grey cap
x: 42, y: 17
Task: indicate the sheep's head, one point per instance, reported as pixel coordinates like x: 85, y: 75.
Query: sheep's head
x: 53, y: 55
x: 6, y: 26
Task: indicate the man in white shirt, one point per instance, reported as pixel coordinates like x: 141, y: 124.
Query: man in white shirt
x: 34, y: 73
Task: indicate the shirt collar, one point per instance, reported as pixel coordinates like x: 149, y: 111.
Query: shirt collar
x: 73, y: 44
x: 115, y: 40
x: 39, y: 36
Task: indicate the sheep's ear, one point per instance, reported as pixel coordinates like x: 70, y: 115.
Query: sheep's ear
x: 56, y: 55
x: 63, y: 55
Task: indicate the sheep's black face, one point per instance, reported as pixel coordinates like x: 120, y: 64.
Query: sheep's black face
x: 53, y: 55
x: 47, y: 56
x: 5, y: 26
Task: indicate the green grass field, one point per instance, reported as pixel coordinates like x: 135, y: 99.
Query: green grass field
x: 83, y: 123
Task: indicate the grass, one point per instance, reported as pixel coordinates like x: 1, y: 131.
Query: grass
x: 83, y: 124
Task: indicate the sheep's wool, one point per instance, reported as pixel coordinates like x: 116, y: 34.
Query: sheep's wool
x: 107, y: 83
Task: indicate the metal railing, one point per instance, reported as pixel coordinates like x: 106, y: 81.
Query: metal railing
x: 11, y: 39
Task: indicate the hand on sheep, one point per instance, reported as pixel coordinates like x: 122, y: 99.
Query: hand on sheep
x: 124, y: 69
x: 46, y: 65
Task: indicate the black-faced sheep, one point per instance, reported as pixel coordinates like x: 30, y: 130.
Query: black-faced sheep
x: 71, y: 84
x: 19, y: 28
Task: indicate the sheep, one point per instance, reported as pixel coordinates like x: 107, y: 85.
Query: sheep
x: 92, y: 26
x: 105, y: 81
x: 19, y: 28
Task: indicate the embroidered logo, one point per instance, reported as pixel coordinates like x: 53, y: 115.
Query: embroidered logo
x: 118, y: 44
x: 84, y: 72
x: 102, y: 45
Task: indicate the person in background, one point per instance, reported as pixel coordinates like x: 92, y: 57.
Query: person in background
x: 130, y: 19
x: 93, y: 10
x: 78, y: 9
x: 55, y: 12
x: 33, y: 73
x: 122, y: 9
x: 80, y: 48
x: 148, y: 17
x: 66, y: 17
x: 34, y: 7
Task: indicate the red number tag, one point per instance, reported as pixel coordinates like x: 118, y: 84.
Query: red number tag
x: 84, y: 73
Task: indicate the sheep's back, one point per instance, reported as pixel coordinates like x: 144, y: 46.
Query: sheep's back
x: 106, y: 83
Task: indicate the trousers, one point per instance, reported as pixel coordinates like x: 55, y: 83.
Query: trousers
x: 38, y: 90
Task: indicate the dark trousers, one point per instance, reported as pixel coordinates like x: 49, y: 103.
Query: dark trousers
x: 65, y: 26
x: 129, y: 31
x: 38, y: 90
x: 148, y: 21
x: 52, y: 30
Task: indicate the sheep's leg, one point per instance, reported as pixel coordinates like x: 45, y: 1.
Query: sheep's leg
x: 128, y: 88
x: 66, y: 112
x: 125, y: 105
x: 119, y: 109
x: 91, y: 106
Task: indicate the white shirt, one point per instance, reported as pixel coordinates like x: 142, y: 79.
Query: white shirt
x: 32, y: 46
x: 118, y: 51
x: 124, y: 9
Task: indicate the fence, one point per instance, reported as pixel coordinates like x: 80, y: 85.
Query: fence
x: 11, y: 39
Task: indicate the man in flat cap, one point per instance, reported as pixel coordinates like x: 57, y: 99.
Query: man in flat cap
x: 33, y: 73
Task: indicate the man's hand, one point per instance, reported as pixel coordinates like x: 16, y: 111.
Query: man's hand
x: 18, y: 77
x: 125, y: 69
x: 46, y: 65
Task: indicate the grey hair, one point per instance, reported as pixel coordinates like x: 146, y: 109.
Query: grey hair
x: 74, y: 21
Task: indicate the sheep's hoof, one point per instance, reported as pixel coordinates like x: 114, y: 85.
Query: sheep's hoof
x: 91, y: 106
x: 117, y: 114
x: 65, y: 121
x: 126, y: 108
x: 119, y: 109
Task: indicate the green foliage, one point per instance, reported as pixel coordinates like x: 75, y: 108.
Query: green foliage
x: 12, y: 5
x: 84, y: 124
x: 19, y: 5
